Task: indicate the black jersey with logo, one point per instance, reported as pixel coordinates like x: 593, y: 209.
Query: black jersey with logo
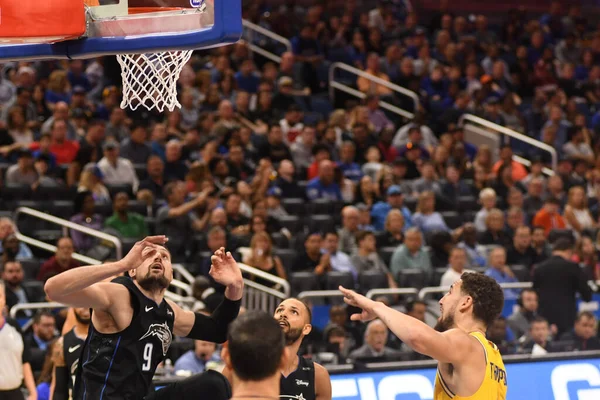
x: 300, y: 384
x: 121, y: 365
x: 72, y: 345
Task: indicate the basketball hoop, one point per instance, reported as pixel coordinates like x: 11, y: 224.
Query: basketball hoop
x: 150, y: 80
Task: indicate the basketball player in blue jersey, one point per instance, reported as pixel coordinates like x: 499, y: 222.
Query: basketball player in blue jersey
x: 132, y: 324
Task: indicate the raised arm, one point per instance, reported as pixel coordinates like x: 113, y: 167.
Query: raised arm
x: 452, y: 346
x: 59, y: 386
x: 83, y: 286
x: 213, y: 328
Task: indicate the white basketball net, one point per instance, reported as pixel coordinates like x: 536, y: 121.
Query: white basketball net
x: 150, y: 80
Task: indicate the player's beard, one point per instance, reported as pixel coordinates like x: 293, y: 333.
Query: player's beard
x: 153, y: 283
x: 292, y: 335
x: 445, y: 323
x: 81, y: 320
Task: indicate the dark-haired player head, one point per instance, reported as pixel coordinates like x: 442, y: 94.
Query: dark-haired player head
x: 474, y: 298
x: 255, y: 352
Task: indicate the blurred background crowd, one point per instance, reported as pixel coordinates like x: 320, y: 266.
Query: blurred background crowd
x: 260, y: 160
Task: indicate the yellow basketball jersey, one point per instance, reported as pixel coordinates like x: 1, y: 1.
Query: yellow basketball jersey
x: 494, y: 383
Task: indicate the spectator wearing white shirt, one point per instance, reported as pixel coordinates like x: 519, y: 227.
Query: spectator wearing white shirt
x: 117, y: 170
x: 487, y: 198
x: 338, y: 260
x: 456, y: 267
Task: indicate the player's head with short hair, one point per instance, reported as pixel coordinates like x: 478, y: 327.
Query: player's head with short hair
x: 156, y: 271
x: 255, y: 349
x: 294, y: 317
x: 474, y: 296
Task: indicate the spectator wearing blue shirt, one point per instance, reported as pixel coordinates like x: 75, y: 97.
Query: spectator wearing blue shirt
x: 426, y: 218
x: 557, y: 120
x: 324, y: 186
x: 501, y: 272
x: 246, y: 78
x: 381, y: 209
x: 349, y: 168
x: 195, y: 361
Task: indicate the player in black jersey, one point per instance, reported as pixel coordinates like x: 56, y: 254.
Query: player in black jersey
x: 301, y: 379
x: 66, y: 353
x: 132, y: 324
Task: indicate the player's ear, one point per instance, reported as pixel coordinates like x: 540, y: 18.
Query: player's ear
x: 465, y: 303
x: 132, y: 273
x: 307, y: 329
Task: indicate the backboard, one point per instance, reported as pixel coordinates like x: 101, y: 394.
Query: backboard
x: 95, y: 28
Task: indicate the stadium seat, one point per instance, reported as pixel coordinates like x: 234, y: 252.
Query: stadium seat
x: 63, y: 209
x: 54, y: 193
x: 35, y: 289
x: 522, y: 272
x: 452, y: 219
x: 292, y: 223
x: 280, y: 240
x: 437, y: 276
x: 468, y: 203
x: 127, y: 244
x: 14, y: 192
x: 336, y: 278
x: 116, y: 188
x: 31, y: 267
x: 302, y: 282
x: 410, y: 203
x: 412, y: 278
x: 138, y: 207
x: 104, y: 209
x: 151, y: 223
x: 320, y: 206
x: 320, y: 223
x: 294, y: 206
x: 386, y: 254
x: 287, y: 256
x: 368, y: 280
x: 140, y: 171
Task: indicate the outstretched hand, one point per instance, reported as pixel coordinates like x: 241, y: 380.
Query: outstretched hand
x: 224, y: 269
x: 142, y: 250
x: 358, y: 300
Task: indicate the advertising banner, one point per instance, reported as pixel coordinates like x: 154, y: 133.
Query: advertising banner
x: 546, y: 380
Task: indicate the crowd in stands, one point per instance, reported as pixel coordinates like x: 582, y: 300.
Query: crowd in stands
x: 259, y: 161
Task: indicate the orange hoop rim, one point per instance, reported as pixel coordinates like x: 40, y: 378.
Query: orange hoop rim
x: 147, y: 10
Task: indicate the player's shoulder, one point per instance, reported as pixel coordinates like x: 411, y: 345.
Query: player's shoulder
x: 320, y: 371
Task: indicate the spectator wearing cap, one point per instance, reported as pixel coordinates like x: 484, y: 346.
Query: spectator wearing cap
x: 491, y: 112
x: 61, y: 261
x: 91, y: 180
x: 127, y: 224
x: 90, y: 150
x: 117, y: 170
x: 365, y: 257
x: 135, y: 148
x: 349, y: 168
x: 301, y: 149
x: 364, y: 217
x: 64, y: 150
x: 413, y: 155
x: 557, y: 281
x: 23, y: 172
x: 324, y: 186
x: 394, y: 200
x: 275, y: 148
x: 411, y: 255
x: 79, y: 100
x: 77, y: 76
x: 549, y: 216
x: 274, y: 207
x: 405, y: 134
x: 286, y: 182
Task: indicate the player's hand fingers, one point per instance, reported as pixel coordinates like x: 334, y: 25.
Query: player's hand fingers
x: 215, y: 260
x: 158, y: 239
x: 356, y: 317
x: 230, y: 257
x: 350, y: 301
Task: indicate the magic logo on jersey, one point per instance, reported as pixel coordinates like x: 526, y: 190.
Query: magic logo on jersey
x: 162, y: 332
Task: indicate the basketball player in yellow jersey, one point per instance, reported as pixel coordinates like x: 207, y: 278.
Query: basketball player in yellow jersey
x: 469, y: 366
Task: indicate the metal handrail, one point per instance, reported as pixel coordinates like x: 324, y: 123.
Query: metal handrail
x: 527, y: 163
x: 512, y: 133
x: 71, y: 225
x: 319, y: 293
x: 382, y: 292
x: 285, y: 285
x: 184, y: 273
x: 33, y: 306
x: 251, y: 28
x: 392, y: 86
x: 52, y: 249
